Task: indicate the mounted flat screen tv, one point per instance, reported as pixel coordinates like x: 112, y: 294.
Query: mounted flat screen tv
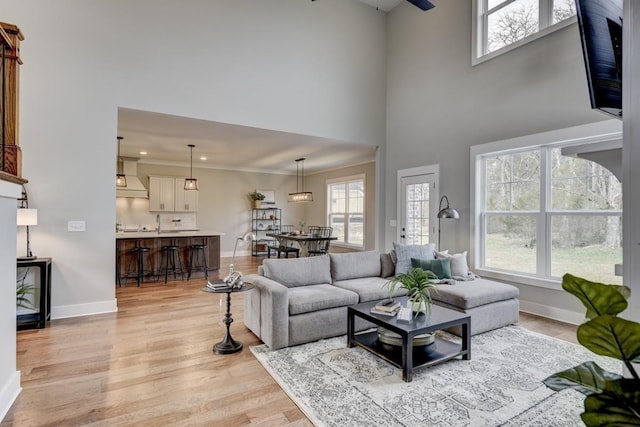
x: 600, y: 23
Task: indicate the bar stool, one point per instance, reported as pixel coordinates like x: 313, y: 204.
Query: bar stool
x: 137, y: 255
x: 170, y: 260
x: 198, y: 250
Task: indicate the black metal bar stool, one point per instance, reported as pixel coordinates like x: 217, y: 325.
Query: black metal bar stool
x: 198, y: 253
x: 137, y: 256
x: 170, y: 260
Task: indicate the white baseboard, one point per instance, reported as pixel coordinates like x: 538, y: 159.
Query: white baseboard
x: 75, y: 310
x: 554, y: 313
x: 9, y: 393
x: 238, y: 253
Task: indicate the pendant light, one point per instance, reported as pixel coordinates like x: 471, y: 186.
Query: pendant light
x: 121, y: 179
x: 191, y: 183
x: 300, y: 195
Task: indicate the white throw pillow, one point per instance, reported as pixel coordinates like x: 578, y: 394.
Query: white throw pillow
x: 459, y: 265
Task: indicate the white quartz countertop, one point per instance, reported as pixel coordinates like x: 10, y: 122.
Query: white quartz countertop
x: 167, y: 233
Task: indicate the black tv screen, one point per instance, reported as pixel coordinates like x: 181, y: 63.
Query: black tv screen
x: 600, y: 23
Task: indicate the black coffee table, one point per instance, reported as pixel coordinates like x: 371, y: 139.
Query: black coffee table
x: 407, y: 357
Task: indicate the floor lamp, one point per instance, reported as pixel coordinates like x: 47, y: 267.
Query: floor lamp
x: 446, y: 213
x: 234, y: 276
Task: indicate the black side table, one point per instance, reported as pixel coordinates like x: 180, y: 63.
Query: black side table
x: 228, y: 345
x: 38, y: 320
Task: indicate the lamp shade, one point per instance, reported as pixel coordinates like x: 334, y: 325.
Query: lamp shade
x: 27, y: 216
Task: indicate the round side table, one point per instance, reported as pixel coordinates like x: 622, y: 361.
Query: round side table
x: 228, y: 345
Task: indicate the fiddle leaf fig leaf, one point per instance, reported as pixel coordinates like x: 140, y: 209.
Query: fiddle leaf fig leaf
x: 599, y: 299
x: 617, y: 405
x: 611, y: 336
x: 587, y: 378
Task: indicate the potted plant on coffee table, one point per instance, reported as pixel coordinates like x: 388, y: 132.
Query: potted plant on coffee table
x: 256, y: 199
x: 418, y: 284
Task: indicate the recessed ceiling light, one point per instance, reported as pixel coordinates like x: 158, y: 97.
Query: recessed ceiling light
x: 203, y: 158
x: 144, y: 153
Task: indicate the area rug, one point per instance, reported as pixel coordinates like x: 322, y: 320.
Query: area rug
x: 500, y: 386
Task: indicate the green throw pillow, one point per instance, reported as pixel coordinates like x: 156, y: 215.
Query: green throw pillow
x: 439, y: 267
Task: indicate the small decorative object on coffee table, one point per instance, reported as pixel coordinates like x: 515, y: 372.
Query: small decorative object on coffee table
x: 405, y: 344
x: 228, y: 345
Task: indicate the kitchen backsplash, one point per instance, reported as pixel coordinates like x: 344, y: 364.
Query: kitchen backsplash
x: 133, y: 214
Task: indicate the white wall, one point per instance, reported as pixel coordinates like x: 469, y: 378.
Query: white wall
x: 315, y: 68
x: 439, y: 106
x: 9, y: 377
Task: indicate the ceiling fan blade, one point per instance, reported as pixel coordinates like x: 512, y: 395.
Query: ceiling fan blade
x: 422, y: 4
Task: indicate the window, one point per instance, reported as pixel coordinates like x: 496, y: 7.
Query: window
x: 542, y: 214
x: 503, y: 23
x: 345, y: 210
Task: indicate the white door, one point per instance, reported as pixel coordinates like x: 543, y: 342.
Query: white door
x: 418, y: 208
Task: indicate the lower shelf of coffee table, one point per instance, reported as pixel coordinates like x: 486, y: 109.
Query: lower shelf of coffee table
x: 440, y: 351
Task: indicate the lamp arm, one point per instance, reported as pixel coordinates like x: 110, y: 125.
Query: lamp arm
x: 444, y: 197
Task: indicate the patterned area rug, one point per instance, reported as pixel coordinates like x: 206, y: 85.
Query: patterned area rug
x: 500, y: 386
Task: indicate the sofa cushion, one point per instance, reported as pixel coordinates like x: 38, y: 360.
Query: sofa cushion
x: 306, y: 299
x: 474, y: 293
x: 292, y: 272
x: 369, y: 288
x: 404, y: 253
x: 387, y: 266
x: 351, y: 265
x: 440, y: 267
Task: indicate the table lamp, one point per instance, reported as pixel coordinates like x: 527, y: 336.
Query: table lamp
x: 27, y: 217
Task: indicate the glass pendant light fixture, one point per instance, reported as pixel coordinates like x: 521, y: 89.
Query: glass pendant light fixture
x: 191, y: 183
x: 300, y: 195
x: 121, y: 179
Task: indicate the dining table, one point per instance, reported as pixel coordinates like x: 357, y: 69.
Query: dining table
x: 302, y: 240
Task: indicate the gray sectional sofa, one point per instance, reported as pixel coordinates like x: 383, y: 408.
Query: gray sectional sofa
x: 299, y: 300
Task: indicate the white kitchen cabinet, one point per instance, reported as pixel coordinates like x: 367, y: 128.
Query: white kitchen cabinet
x: 161, y: 193
x: 185, y: 200
x: 167, y: 194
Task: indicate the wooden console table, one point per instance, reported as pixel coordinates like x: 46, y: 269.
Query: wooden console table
x: 38, y: 320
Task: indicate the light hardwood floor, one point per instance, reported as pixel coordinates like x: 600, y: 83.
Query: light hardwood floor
x: 151, y: 364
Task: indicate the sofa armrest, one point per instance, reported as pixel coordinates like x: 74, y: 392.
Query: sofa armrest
x: 273, y: 316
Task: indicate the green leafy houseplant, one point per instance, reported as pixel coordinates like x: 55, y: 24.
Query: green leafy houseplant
x: 418, y: 284
x: 611, y: 399
x: 22, y: 292
x: 257, y: 196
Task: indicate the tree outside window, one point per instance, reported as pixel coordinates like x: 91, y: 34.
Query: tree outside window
x: 573, y: 205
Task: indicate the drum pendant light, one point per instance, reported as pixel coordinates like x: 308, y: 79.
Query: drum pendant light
x: 191, y: 183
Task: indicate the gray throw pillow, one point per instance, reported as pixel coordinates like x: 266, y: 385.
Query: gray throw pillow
x: 404, y: 253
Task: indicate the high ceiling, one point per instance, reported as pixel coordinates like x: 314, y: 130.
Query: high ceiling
x: 165, y: 138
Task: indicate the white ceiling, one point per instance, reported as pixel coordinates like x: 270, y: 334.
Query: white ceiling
x: 385, y: 5
x: 165, y: 138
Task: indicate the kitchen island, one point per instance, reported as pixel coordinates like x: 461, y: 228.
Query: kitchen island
x: 154, y: 240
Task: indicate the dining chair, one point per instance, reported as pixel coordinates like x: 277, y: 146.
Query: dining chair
x: 286, y: 247
x: 319, y: 247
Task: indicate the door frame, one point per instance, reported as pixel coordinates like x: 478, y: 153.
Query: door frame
x: 420, y: 170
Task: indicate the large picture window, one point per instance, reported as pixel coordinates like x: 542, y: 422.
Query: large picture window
x: 504, y: 23
x: 543, y: 214
x: 345, y: 210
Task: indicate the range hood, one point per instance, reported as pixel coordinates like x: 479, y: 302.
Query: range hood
x: 134, y: 187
